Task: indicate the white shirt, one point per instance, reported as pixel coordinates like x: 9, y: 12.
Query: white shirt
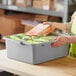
x: 73, y: 21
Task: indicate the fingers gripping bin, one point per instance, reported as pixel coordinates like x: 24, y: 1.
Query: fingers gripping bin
x: 34, y: 53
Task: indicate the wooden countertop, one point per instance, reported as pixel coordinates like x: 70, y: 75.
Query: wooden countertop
x: 60, y: 67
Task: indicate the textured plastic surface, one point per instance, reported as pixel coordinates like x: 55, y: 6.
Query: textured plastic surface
x: 34, y: 53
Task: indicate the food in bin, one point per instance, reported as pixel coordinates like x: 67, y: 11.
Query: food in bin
x: 31, y: 39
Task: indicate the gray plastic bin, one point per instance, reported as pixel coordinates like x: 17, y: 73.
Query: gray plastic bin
x: 34, y: 53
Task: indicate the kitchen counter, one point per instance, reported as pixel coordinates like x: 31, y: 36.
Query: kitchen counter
x: 65, y: 66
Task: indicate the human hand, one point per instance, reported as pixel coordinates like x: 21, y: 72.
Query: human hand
x: 59, y: 41
x: 56, y: 26
x: 48, y: 23
x: 51, y: 24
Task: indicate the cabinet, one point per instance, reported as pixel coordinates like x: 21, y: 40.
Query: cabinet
x: 63, y: 14
x: 10, y: 25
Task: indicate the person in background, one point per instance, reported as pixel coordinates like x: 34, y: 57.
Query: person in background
x: 69, y: 28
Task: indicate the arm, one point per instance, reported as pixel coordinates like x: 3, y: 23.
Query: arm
x: 60, y: 26
x: 61, y: 40
x: 71, y: 39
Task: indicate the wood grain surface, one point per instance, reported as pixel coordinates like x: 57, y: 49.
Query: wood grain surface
x: 60, y: 67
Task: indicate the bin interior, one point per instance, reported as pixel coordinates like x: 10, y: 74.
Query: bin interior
x: 31, y: 39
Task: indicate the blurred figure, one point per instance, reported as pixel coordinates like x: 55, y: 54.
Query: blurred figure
x: 69, y: 28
